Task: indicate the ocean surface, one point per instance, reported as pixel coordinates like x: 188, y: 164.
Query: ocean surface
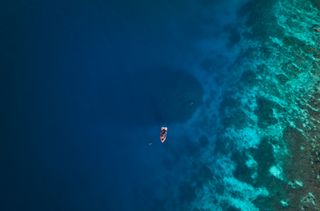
x: 86, y: 86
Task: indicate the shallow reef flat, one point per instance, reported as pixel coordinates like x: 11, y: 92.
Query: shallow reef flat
x: 259, y: 135
x: 264, y: 154
x: 275, y: 149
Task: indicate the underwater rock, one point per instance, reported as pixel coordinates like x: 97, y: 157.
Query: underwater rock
x: 316, y: 3
x: 243, y: 173
x: 264, y: 112
x: 263, y: 155
x: 316, y: 28
x: 296, y: 184
x: 284, y: 203
x: 308, y: 202
x: 277, y: 172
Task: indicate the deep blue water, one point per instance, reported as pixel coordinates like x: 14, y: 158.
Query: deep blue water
x: 86, y: 86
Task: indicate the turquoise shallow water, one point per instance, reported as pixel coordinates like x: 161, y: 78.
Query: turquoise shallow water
x: 264, y: 108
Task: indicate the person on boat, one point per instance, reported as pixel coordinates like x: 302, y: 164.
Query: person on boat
x: 163, y: 134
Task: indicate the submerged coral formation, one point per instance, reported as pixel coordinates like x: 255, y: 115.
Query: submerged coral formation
x: 264, y: 153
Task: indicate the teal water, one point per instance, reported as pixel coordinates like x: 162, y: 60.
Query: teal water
x: 264, y: 109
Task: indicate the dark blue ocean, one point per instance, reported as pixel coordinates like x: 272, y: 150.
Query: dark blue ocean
x: 87, y: 85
